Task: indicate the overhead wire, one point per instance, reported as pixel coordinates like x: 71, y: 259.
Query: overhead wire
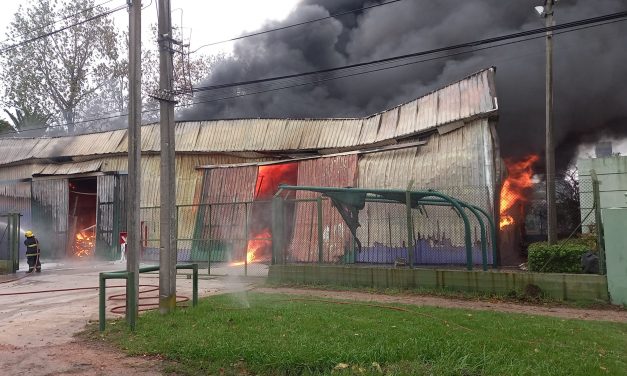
x: 65, y: 18
x: 56, y: 31
x: 335, y: 15
x: 560, y: 31
x: 521, y: 34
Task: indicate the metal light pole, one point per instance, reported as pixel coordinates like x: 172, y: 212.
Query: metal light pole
x: 551, y: 215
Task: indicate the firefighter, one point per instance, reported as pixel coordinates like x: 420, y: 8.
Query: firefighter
x: 32, y: 252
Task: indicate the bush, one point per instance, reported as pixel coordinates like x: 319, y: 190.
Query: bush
x: 563, y: 257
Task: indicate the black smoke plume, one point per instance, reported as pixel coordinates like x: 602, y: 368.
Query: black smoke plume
x: 589, y: 66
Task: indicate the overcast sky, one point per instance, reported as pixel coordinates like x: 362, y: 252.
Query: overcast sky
x: 209, y: 21
x: 205, y: 21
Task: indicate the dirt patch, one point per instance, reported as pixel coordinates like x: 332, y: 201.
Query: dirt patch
x: 78, y: 357
x: 562, y: 312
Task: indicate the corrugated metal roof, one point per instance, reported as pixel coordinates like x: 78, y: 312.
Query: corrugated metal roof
x: 70, y: 168
x: 461, y: 101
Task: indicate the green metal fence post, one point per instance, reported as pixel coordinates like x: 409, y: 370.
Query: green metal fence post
x: 194, y: 285
x: 210, y: 248
x: 320, y: 233
x: 410, y: 230
x: 101, y: 302
x: 596, y: 191
x: 246, y: 239
x: 277, y: 230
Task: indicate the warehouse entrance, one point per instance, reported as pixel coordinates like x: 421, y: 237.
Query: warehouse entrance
x: 79, y: 216
x: 83, y: 195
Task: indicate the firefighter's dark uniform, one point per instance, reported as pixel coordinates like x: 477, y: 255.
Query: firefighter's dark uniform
x: 32, y: 254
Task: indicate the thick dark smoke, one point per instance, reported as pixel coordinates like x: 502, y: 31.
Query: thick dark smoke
x: 590, y: 69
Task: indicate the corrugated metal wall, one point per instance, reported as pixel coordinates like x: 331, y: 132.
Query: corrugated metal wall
x: 111, y: 214
x: 458, y: 163
x: 50, y: 215
x: 339, y: 171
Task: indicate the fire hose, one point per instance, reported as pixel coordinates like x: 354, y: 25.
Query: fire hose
x: 120, y: 309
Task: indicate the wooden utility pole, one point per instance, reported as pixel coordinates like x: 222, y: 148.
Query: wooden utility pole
x: 133, y: 243
x: 168, y: 251
x: 550, y: 148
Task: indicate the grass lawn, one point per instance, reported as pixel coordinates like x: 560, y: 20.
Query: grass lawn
x: 273, y: 334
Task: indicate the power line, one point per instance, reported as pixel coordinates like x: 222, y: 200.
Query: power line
x: 64, y: 18
x: 385, y: 68
x: 241, y: 95
x: 335, y: 15
x: 521, y: 34
x: 100, y: 15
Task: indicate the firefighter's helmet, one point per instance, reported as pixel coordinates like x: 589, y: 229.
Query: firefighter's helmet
x: 29, y: 234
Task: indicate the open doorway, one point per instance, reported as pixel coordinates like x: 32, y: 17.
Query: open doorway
x: 82, y: 217
x: 269, y: 177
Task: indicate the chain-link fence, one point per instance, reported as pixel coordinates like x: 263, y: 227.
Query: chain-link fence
x: 228, y: 238
x: 236, y: 238
x: 387, y: 233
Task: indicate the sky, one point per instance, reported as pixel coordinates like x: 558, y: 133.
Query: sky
x: 203, y: 21
x: 207, y: 21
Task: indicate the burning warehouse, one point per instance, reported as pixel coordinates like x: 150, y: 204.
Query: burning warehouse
x: 71, y: 189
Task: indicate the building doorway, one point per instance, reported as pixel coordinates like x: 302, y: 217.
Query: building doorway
x: 83, y: 199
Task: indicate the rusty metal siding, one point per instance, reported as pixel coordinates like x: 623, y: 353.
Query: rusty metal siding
x: 230, y: 186
x: 338, y: 171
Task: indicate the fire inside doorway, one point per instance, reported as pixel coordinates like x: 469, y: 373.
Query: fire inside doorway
x: 82, y: 217
x: 269, y: 177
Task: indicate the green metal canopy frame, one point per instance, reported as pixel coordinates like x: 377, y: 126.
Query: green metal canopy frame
x: 355, y: 198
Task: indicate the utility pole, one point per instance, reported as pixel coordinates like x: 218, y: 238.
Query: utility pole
x: 133, y: 241
x: 168, y: 251
x: 550, y: 148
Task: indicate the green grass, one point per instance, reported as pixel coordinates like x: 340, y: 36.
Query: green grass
x: 273, y: 334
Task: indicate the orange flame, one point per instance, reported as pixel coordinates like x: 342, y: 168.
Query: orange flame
x: 84, y: 244
x: 518, y: 180
x: 261, y: 242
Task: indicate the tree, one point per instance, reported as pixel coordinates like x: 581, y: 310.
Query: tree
x: 5, y: 127
x: 59, y: 73
x: 28, y: 119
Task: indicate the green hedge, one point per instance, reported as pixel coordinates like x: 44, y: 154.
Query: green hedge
x: 563, y: 257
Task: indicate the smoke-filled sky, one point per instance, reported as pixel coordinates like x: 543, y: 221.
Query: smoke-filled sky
x: 589, y: 66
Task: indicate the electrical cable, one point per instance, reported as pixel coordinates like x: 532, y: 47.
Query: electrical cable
x: 100, y: 15
x: 117, y: 115
x: 607, y: 17
x: 386, y: 68
x: 64, y: 18
x: 335, y: 15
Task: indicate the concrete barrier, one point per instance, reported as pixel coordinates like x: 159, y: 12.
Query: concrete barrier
x: 573, y: 287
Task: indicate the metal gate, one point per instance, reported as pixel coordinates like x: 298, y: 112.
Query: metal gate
x: 50, y: 207
x: 111, y: 215
x: 9, y: 243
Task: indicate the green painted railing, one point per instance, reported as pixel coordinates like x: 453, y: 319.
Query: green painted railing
x: 132, y: 295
